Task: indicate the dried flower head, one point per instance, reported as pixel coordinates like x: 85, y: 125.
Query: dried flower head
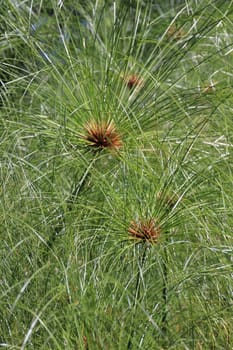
x: 210, y: 88
x: 85, y: 342
x: 102, y: 134
x: 133, y: 81
x: 175, y: 33
x: 147, y: 230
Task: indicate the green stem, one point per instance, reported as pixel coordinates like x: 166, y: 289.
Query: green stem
x: 137, y: 294
x: 165, y: 295
x: 77, y: 187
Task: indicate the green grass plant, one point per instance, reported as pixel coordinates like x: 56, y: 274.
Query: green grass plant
x: 116, y: 175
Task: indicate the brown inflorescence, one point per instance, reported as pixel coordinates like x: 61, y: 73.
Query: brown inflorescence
x: 147, y: 231
x: 102, y: 135
x: 85, y: 342
x: 210, y: 88
x: 133, y: 81
x: 175, y: 33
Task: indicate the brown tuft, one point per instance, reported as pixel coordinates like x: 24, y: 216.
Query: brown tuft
x: 146, y: 231
x: 102, y: 134
x: 133, y: 81
x: 210, y: 88
x: 85, y: 342
x: 175, y: 33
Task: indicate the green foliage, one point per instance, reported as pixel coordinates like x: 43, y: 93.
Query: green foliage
x: 116, y: 175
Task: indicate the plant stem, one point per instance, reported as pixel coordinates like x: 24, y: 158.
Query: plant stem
x: 165, y: 295
x: 137, y: 293
x: 77, y: 187
x: 71, y: 200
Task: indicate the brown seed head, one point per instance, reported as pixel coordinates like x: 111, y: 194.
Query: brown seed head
x: 85, y: 342
x: 102, y: 134
x: 210, y: 88
x: 146, y: 231
x: 133, y: 81
x: 175, y: 33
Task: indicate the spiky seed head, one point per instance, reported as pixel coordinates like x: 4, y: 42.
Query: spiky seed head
x: 85, y: 342
x: 144, y: 230
x: 175, y: 33
x: 133, y: 81
x: 210, y: 88
x: 102, y: 135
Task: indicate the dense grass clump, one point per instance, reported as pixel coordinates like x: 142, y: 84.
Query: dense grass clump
x: 116, y: 175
